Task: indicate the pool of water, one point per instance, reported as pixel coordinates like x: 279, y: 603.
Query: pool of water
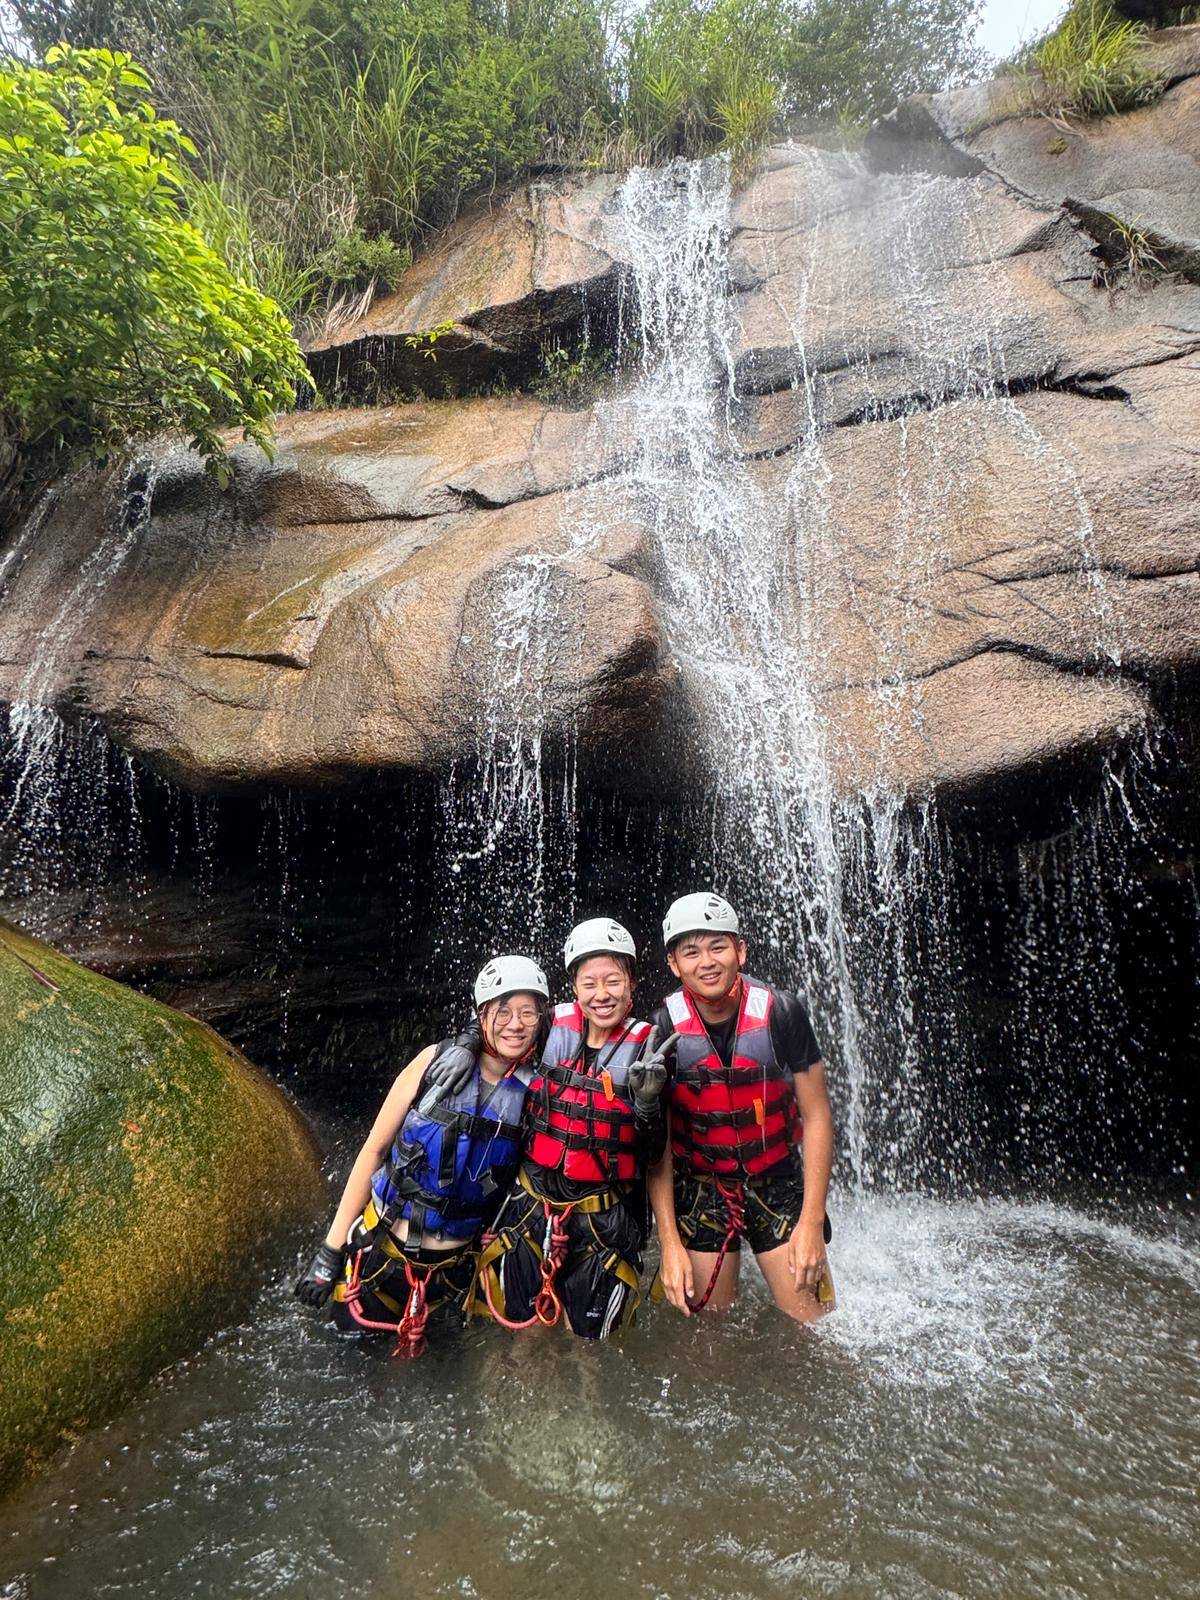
x: 1006, y: 1403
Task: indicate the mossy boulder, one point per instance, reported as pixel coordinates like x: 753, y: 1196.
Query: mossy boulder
x: 143, y: 1164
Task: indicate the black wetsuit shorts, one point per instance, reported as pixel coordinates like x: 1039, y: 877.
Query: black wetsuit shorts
x: 598, y: 1280
x: 384, y: 1283
x: 771, y: 1202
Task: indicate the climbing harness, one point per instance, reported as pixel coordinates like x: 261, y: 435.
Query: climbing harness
x: 547, y: 1307
x: 734, y: 1197
x: 552, y: 1253
x: 410, y: 1329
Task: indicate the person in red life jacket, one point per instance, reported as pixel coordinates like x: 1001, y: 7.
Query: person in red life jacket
x: 747, y: 1082
x: 434, y: 1168
x: 568, y: 1243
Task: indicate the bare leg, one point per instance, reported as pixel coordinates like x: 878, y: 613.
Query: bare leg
x: 725, y: 1291
x: 801, y: 1305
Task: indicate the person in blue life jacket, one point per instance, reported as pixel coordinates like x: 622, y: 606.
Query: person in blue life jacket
x: 747, y: 1091
x: 567, y: 1244
x: 435, y: 1167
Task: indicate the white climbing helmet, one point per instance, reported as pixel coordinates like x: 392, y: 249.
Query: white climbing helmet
x: 509, y: 975
x: 699, y: 913
x: 598, y: 936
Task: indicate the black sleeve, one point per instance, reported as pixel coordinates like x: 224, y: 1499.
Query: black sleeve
x: 650, y: 1140
x: 796, y: 1046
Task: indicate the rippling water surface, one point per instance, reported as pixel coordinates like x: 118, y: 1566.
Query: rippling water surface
x: 1006, y: 1403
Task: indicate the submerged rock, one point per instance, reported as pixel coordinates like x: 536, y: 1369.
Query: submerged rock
x: 145, y: 1163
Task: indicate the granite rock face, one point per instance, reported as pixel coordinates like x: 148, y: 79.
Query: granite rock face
x: 335, y: 613
x: 977, y: 436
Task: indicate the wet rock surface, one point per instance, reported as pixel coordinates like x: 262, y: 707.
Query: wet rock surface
x: 980, y: 440
x: 144, y: 1163
x: 334, y: 613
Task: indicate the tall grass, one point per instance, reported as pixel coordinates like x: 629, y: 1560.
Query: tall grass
x: 1094, y: 64
x: 333, y: 134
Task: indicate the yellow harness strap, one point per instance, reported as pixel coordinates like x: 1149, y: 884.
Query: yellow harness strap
x: 590, y: 1205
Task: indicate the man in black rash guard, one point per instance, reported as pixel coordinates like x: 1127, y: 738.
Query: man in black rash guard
x: 748, y: 1083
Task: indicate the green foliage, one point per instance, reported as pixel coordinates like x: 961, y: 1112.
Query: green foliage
x: 427, y: 340
x: 1128, y: 252
x: 117, y: 319
x: 1094, y: 64
x: 570, y: 374
x: 325, y: 126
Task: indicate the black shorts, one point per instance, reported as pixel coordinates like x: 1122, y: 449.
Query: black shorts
x: 772, y: 1205
x: 597, y: 1282
x: 384, y: 1283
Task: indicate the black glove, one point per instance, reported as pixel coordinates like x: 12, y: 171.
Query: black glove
x: 648, y: 1075
x: 451, y: 1072
x: 324, y: 1270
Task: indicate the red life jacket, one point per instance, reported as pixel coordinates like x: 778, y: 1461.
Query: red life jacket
x: 735, y: 1121
x: 581, y: 1121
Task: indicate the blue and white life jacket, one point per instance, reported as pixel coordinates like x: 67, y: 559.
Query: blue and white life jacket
x: 450, y: 1166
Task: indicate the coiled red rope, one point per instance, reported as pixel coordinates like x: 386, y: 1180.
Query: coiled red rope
x: 410, y: 1330
x: 547, y: 1307
x: 734, y: 1197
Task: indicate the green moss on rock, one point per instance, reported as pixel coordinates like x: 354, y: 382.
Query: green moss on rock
x: 143, y: 1162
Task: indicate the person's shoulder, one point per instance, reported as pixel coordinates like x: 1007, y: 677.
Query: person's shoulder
x: 786, y: 1003
x: 660, y: 1018
x: 792, y: 1029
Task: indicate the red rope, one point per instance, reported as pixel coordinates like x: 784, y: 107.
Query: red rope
x: 410, y: 1330
x: 735, y: 1220
x: 547, y: 1307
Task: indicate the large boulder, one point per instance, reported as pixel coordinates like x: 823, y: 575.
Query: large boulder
x: 143, y: 1165
x: 989, y: 463
x: 345, y: 609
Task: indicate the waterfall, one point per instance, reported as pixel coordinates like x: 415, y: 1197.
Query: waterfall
x: 853, y: 897
x: 857, y: 888
x: 71, y: 799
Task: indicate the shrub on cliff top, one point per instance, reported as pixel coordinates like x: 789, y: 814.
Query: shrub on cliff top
x: 329, y: 122
x: 117, y: 320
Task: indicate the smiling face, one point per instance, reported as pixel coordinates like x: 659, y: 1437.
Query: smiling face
x: 510, y: 1026
x: 708, y: 964
x: 604, y: 989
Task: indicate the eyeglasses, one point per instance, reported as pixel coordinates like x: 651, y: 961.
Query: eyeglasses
x: 527, y: 1017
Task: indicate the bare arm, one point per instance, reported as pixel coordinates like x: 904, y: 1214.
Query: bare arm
x: 807, y: 1244
x: 376, y: 1147
x: 676, y: 1270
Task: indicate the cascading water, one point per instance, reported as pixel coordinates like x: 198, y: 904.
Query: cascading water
x: 1003, y: 1402
x: 71, y: 798
x: 849, y: 895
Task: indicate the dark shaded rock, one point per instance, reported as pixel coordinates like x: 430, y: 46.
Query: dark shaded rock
x: 530, y: 268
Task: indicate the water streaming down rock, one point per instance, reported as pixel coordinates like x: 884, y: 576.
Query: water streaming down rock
x: 71, y: 801
x: 509, y: 828
x: 852, y: 894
